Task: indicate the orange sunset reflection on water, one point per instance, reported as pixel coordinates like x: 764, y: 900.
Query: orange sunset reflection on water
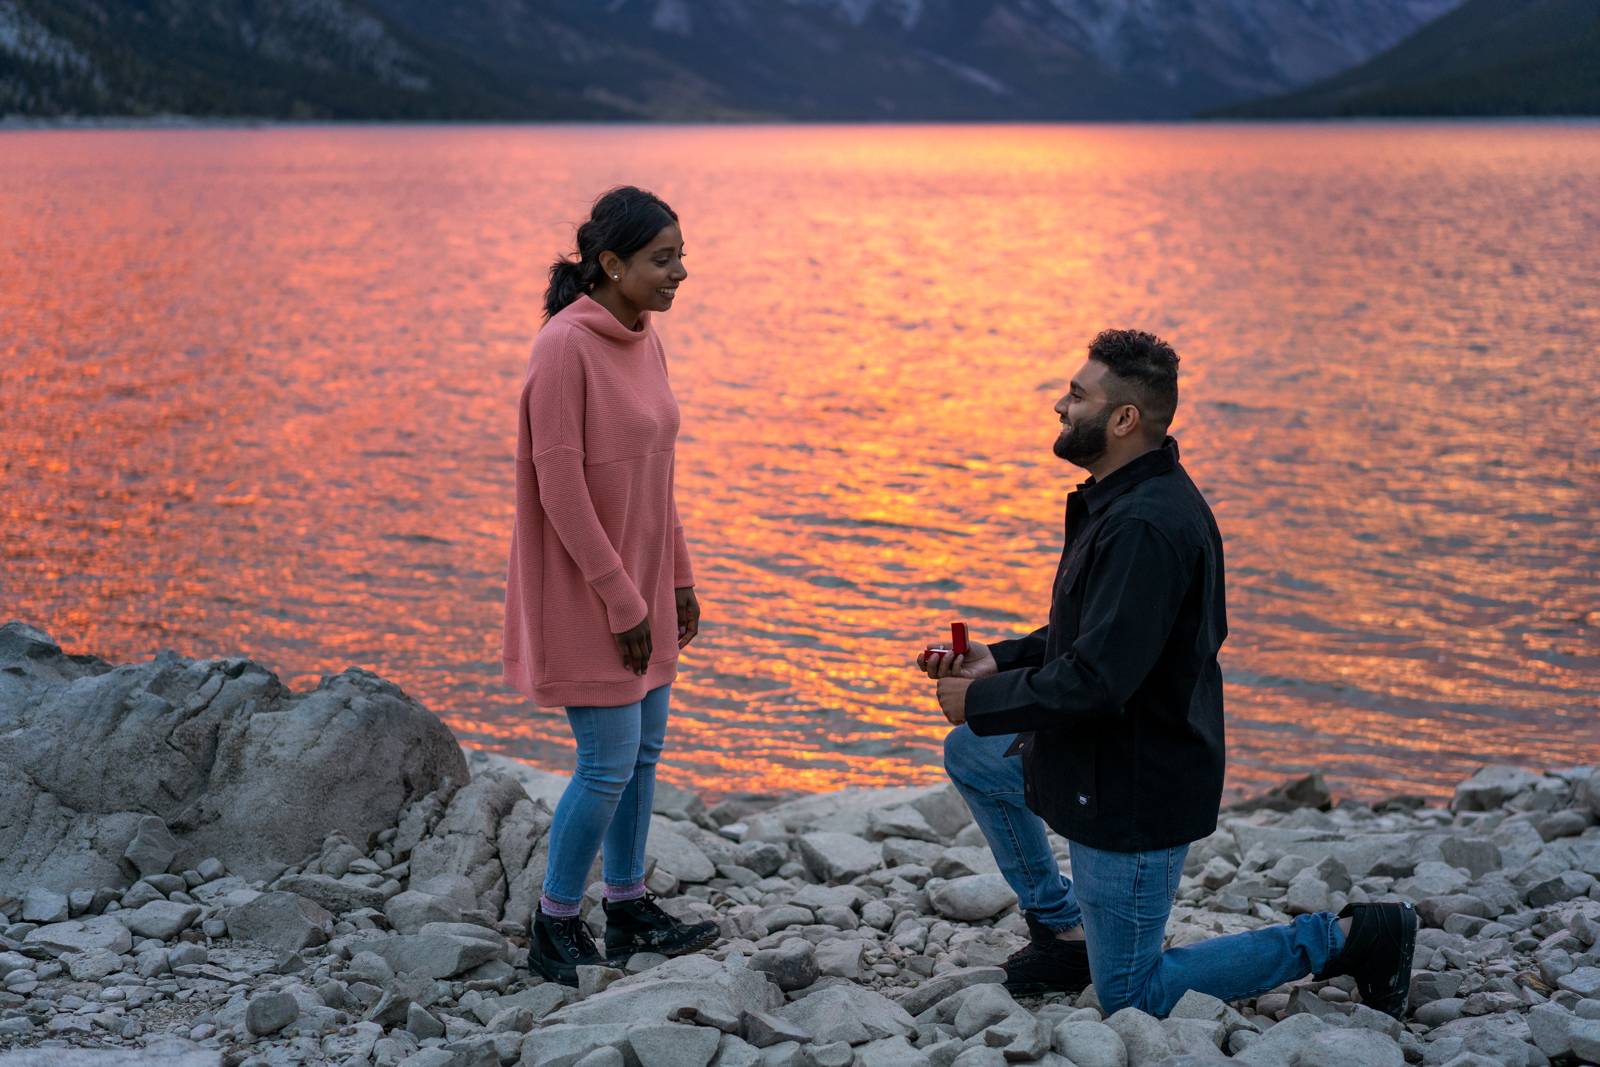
x: 258, y: 394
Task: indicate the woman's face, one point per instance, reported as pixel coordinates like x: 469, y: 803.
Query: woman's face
x: 651, y: 276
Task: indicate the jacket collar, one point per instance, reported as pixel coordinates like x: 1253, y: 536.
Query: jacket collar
x: 1097, y: 495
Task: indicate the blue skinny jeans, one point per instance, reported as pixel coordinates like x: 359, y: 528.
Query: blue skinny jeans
x: 607, y: 802
x: 1123, y: 900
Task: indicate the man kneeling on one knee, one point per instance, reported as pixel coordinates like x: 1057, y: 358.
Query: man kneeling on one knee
x: 1106, y: 725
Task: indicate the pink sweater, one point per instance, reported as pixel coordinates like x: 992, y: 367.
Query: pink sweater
x: 597, y: 543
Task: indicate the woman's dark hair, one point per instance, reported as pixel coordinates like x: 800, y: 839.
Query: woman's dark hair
x: 622, y: 221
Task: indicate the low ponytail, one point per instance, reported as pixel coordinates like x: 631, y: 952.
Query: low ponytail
x: 623, y: 221
x: 566, y: 285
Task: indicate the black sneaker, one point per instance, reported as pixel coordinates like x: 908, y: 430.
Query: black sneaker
x: 1047, y: 964
x: 1377, y: 954
x: 641, y: 926
x: 559, y: 947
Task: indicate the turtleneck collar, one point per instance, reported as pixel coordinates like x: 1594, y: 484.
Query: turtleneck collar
x: 588, y: 312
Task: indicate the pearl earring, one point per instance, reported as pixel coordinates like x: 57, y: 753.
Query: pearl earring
x: 616, y: 277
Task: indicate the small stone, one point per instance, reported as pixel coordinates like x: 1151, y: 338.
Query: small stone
x: 160, y: 919
x: 1586, y: 1040
x: 841, y: 958
x: 1142, y: 1035
x: 983, y: 1006
x: 1089, y: 1044
x: 91, y: 966
x: 673, y: 1045
x: 270, y: 1012
x: 44, y: 906
x: 793, y: 964
x: 1347, y: 1048
x: 1428, y: 986
x: 1585, y: 981
x: 280, y: 920
x: 152, y: 849
x: 1478, y: 855
x: 592, y: 980
x: 972, y: 898
x: 835, y: 857
x: 422, y: 1025
x: 1439, y: 1012
x: 765, y: 1031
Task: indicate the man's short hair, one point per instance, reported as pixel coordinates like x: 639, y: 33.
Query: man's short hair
x: 1145, y: 370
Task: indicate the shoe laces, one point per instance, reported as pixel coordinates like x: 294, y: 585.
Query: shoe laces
x: 574, y: 936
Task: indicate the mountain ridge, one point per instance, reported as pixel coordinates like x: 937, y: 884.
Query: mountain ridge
x: 1540, y: 57
x: 668, y: 60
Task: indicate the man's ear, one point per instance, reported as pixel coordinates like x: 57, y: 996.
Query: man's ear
x: 1125, y: 423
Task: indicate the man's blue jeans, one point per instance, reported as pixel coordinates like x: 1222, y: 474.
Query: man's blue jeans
x: 609, y: 797
x: 1123, y: 899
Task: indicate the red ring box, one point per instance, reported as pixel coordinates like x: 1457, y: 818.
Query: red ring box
x: 958, y: 642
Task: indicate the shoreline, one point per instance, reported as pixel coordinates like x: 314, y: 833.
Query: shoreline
x: 15, y: 123
x: 366, y: 903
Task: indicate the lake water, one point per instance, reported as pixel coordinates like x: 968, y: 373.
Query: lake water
x: 258, y: 391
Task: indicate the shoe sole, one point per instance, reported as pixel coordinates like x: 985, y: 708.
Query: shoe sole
x: 616, y: 958
x: 553, y: 974
x: 1039, y: 989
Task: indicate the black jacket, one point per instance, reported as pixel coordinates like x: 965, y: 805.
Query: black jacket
x: 1121, y: 693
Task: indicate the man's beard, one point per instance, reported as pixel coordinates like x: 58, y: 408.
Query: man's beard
x: 1085, y: 442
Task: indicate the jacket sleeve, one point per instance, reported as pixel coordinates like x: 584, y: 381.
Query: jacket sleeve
x: 1020, y: 651
x: 554, y: 414
x: 1135, y: 588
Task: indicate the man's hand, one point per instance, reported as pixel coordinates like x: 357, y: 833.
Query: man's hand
x: 635, y: 647
x: 977, y: 663
x: 953, y: 698
x: 688, y: 615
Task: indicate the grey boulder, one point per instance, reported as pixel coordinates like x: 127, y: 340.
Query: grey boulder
x: 972, y: 898
x: 849, y: 1014
x: 237, y: 766
x: 686, y: 989
x: 280, y: 920
x: 160, y: 919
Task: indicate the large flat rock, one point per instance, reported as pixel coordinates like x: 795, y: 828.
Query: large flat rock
x: 235, y: 764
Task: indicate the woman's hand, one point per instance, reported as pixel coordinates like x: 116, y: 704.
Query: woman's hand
x: 635, y: 646
x: 688, y: 615
x: 978, y: 662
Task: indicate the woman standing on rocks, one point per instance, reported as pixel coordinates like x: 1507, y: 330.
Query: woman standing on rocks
x: 600, y: 593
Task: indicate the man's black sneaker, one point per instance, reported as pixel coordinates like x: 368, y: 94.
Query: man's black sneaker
x: 641, y: 926
x: 1047, y: 964
x: 1377, y: 954
x: 559, y: 947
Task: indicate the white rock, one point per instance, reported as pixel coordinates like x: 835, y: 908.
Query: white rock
x: 1350, y: 1048
x: 673, y: 1045
x: 849, y: 1014
x: 1142, y: 1035
x: 102, y: 932
x: 1089, y: 1044
x: 41, y: 905
x: 971, y: 898
x: 839, y: 857
x: 160, y: 919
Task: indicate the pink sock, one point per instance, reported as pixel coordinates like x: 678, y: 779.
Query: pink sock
x: 617, y: 894
x: 557, y: 910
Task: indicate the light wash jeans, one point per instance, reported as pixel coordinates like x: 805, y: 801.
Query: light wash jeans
x: 608, y: 800
x: 1123, y: 900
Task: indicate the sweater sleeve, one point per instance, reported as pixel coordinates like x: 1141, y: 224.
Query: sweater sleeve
x: 555, y: 417
x: 682, y: 566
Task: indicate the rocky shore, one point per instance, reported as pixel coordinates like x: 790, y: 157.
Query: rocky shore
x: 199, y: 867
